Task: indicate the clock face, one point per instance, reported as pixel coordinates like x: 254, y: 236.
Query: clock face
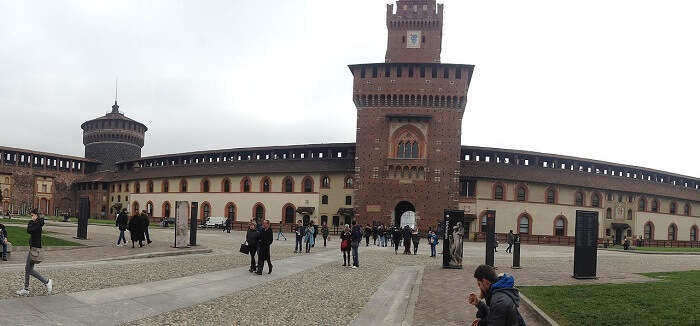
x: 413, y: 39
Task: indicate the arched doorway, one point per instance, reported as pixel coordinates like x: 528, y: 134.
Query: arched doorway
x: 405, y: 214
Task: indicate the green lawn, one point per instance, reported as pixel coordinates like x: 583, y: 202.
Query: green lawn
x: 660, y: 249
x: 673, y: 300
x: 18, y: 236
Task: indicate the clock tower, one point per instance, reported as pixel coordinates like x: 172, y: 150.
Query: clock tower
x: 409, y: 122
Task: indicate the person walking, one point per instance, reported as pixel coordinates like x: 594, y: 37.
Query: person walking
x: 299, y: 231
x: 309, y: 238
x: 146, y: 220
x: 227, y: 225
x: 415, y: 237
x: 375, y: 234
x: 252, y: 237
x: 264, y: 248
x: 433, y: 241
x: 281, y: 234
x: 368, y: 233
x: 355, y: 244
x: 407, y: 240
x: 136, y: 230
x: 324, y: 232
x: 345, y: 239
x: 501, y: 299
x: 313, y: 224
x: 121, y: 223
x: 396, y: 239
x: 35, y: 254
x: 510, y: 242
x: 3, y: 241
x: 383, y: 234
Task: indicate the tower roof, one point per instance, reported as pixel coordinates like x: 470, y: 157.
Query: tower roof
x: 115, y: 114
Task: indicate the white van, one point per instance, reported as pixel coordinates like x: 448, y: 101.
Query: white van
x: 215, y: 222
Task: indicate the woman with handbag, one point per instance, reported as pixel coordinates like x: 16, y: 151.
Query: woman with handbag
x: 345, y: 245
x: 35, y: 255
x: 252, y: 238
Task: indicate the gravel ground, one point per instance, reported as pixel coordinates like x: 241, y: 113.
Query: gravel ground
x: 119, y: 273
x: 326, y: 295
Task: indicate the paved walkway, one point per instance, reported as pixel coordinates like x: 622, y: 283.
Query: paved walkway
x: 394, y: 301
x: 118, y: 305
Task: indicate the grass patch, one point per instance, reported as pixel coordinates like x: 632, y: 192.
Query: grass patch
x: 19, y: 237
x: 659, y: 249
x: 672, y: 300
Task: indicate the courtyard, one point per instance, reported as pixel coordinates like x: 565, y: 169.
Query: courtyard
x: 210, y: 283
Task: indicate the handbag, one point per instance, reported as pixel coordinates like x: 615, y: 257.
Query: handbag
x: 245, y: 249
x: 36, y: 255
x: 345, y: 244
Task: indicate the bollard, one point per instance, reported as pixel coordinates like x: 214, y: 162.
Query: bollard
x: 516, y: 252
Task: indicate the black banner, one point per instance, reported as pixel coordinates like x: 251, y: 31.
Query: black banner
x: 453, y: 239
x: 586, y: 250
x: 490, y: 237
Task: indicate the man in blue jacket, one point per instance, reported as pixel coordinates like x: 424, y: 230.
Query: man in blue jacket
x: 355, y: 239
x: 501, y: 299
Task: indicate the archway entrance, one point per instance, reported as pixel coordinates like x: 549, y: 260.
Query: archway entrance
x: 405, y: 214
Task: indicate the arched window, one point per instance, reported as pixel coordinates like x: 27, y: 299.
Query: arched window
x: 137, y: 187
x: 595, y: 200
x: 308, y: 184
x: 135, y: 208
x: 266, y: 185
x: 348, y: 200
x: 608, y: 213
x: 325, y: 182
x: 245, y: 184
x: 560, y: 226
x: 205, y: 185
x: 686, y: 209
x: 498, y: 192
x: 655, y: 205
x: 629, y: 214
x: 348, y: 182
x: 288, y: 184
x: 521, y: 193
x: 579, y: 199
x: 166, y: 209
x: 649, y: 231
x: 324, y: 199
x: 551, y: 196
x: 149, y: 186
x: 400, y: 151
x: 206, y: 211
x: 226, y: 185
x: 231, y: 211
x: 165, y: 186
x: 183, y: 185
x: 407, y: 141
x: 524, y: 224
x: 610, y: 196
x: 672, y: 230
x: 259, y: 211
x: 289, y: 214
x: 149, y: 208
x: 694, y: 233
x: 642, y: 205
x: 673, y: 207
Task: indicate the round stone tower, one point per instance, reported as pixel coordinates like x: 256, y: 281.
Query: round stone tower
x: 113, y: 138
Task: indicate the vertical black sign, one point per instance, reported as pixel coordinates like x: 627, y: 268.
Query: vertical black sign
x: 453, y: 239
x: 586, y: 250
x: 193, y: 224
x: 490, y: 237
x: 83, y: 216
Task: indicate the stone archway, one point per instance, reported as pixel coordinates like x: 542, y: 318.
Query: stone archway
x: 404, y: 212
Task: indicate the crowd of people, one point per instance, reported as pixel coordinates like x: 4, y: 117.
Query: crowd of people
x: 137, y: 225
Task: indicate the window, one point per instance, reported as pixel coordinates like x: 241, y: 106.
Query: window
x: 467, y: 187
x: 551, y: 196
x: 206, y: 211
x: 408, y: 149
x: 648, y: 231
x: 205, y: 185
x: 183, y: 185
x: 266, y: 185
x: 686, y: 209
x: 227, y: 185
x: 498, y: 192
x: 655, y: 205
x: 559, y: 226
x: 288, y: 185
x: 149, y: 186
x: 348, y: 200
x: 482, y: 226
x: 610, y: 196
x: 166, y: 209
x: 348, y: 182
x: 137, y: 187
x: 673, y: 207
x: 231, y: 211
x: 324, y: 219
x: 522, y: 193
x: 579, y: 198
x: 119, y: 198
x: 324, y: 200
x: 289, y: 214
x: 642, y: 205
x: 135, y: 208
x: 336, y: 220
x: 246, y: 184
x: 325, y: 182
x: 608, y: 213
x: 43, y: 188
x: 694, y: 233
x: 165, y: 186
x: 595, y: 200
x: 524, y: 224
x: 672, y: 232
x: 629, y: 214
x: 308, y: 185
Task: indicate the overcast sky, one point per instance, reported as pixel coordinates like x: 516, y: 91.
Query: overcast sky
x: 608, y: 80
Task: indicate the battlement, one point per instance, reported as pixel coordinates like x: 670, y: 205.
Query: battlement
x: 414, y: 31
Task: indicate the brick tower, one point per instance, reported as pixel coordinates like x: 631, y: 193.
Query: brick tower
x: 113, y: 138
x: 409, y: 121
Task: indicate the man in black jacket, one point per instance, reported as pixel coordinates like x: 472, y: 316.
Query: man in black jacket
x: 146, y: 221
x: 3, y: 241
x: 264, y: 248
x: 501, y: 299
x: 355, y: 239
x: 121, y: 223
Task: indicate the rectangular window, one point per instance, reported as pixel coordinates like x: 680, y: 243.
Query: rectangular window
x: 374, y: 72
x: 387, y: 71
x: 467, y: 187
x: 422, y: 72
x: 458, y: 73
x: 410, y: 71
x: 399, y: 70
x: 433, y: 72
x: 348, y: 200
